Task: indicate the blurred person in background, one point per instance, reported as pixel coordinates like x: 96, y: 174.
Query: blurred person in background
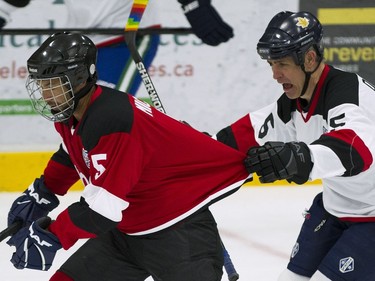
x: 115, y: 67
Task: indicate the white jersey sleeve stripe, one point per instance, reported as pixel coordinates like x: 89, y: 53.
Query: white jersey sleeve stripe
x: 104, y: 202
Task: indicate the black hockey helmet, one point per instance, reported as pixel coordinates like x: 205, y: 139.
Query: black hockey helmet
x: 63, y: 62
x: 67, y: 53
x: 291, y: 34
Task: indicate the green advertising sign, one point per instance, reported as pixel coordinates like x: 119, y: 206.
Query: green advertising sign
x: 16, y: 107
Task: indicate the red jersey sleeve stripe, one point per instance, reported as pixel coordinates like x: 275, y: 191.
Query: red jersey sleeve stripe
x: 354, y: 141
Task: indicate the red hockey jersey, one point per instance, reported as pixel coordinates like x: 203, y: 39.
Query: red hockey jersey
x: 141, y: 168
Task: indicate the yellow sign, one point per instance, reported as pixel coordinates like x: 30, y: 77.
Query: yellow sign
x: 346, y: 16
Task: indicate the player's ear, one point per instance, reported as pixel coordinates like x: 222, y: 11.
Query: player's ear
x: 310, y: 59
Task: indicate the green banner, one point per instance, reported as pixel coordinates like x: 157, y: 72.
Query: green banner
x: 16, y: 107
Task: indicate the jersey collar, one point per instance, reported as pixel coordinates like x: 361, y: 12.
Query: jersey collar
x: 315, y: 96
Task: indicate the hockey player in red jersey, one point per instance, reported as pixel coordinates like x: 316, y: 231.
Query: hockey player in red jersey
x: 149, y: 180
x: 321, y: 127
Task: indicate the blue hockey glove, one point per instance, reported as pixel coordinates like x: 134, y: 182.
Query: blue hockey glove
x: 36, y: 247
x: 36, y: 202
x: 278, y: 160
x: 206, y: 22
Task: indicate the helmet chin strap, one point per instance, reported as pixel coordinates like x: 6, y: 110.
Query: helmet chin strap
x: 77, y: 96
x: 84, y: 91
x: 308, y: 76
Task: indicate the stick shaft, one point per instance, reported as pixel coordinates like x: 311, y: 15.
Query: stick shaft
x: 146, y: 79
x: 10, y: 230
x: 229, y: 267
x: 131, y: 29
x: 135, y: 16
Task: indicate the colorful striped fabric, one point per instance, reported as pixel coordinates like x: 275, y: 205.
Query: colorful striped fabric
x: 135, y: 16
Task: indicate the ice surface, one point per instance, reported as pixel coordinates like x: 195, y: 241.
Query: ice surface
x: 258, y: 226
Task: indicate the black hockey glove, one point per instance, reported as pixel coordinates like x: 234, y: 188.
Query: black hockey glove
x: 35, y: 202
x: 277, y: 161
x: 36, y: 247
x: 206, y: 22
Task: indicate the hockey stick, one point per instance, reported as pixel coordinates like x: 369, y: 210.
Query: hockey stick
x: 228, y: 265
x: 131, y: 28
x: 10, y: 230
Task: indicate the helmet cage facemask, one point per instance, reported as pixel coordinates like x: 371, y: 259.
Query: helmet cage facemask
x: 70, y: 75
x: 52, y: 98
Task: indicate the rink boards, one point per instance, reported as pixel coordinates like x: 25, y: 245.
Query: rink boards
x: 19, y: 169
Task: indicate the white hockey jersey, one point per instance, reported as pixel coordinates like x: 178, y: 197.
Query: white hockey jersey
x: 106, y: 14
x: 338, y: 126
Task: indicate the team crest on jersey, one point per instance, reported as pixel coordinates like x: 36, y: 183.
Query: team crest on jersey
x: 85, y: 156
x: 303, y: 22
x: 295, y: 250
x: 346, y: 265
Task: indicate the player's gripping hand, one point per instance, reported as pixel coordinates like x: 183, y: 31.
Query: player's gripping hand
x: 35, y: 202
x: 278, y: 160
x: 36, y: 247
x: 206, y: 22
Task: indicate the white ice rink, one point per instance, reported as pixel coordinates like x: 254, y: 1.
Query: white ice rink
x: 258, y: 226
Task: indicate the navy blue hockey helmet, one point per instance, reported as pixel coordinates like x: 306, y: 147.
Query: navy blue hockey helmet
x: 291, y: 34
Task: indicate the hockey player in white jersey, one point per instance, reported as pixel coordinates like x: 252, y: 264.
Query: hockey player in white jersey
x: 321, y: 127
